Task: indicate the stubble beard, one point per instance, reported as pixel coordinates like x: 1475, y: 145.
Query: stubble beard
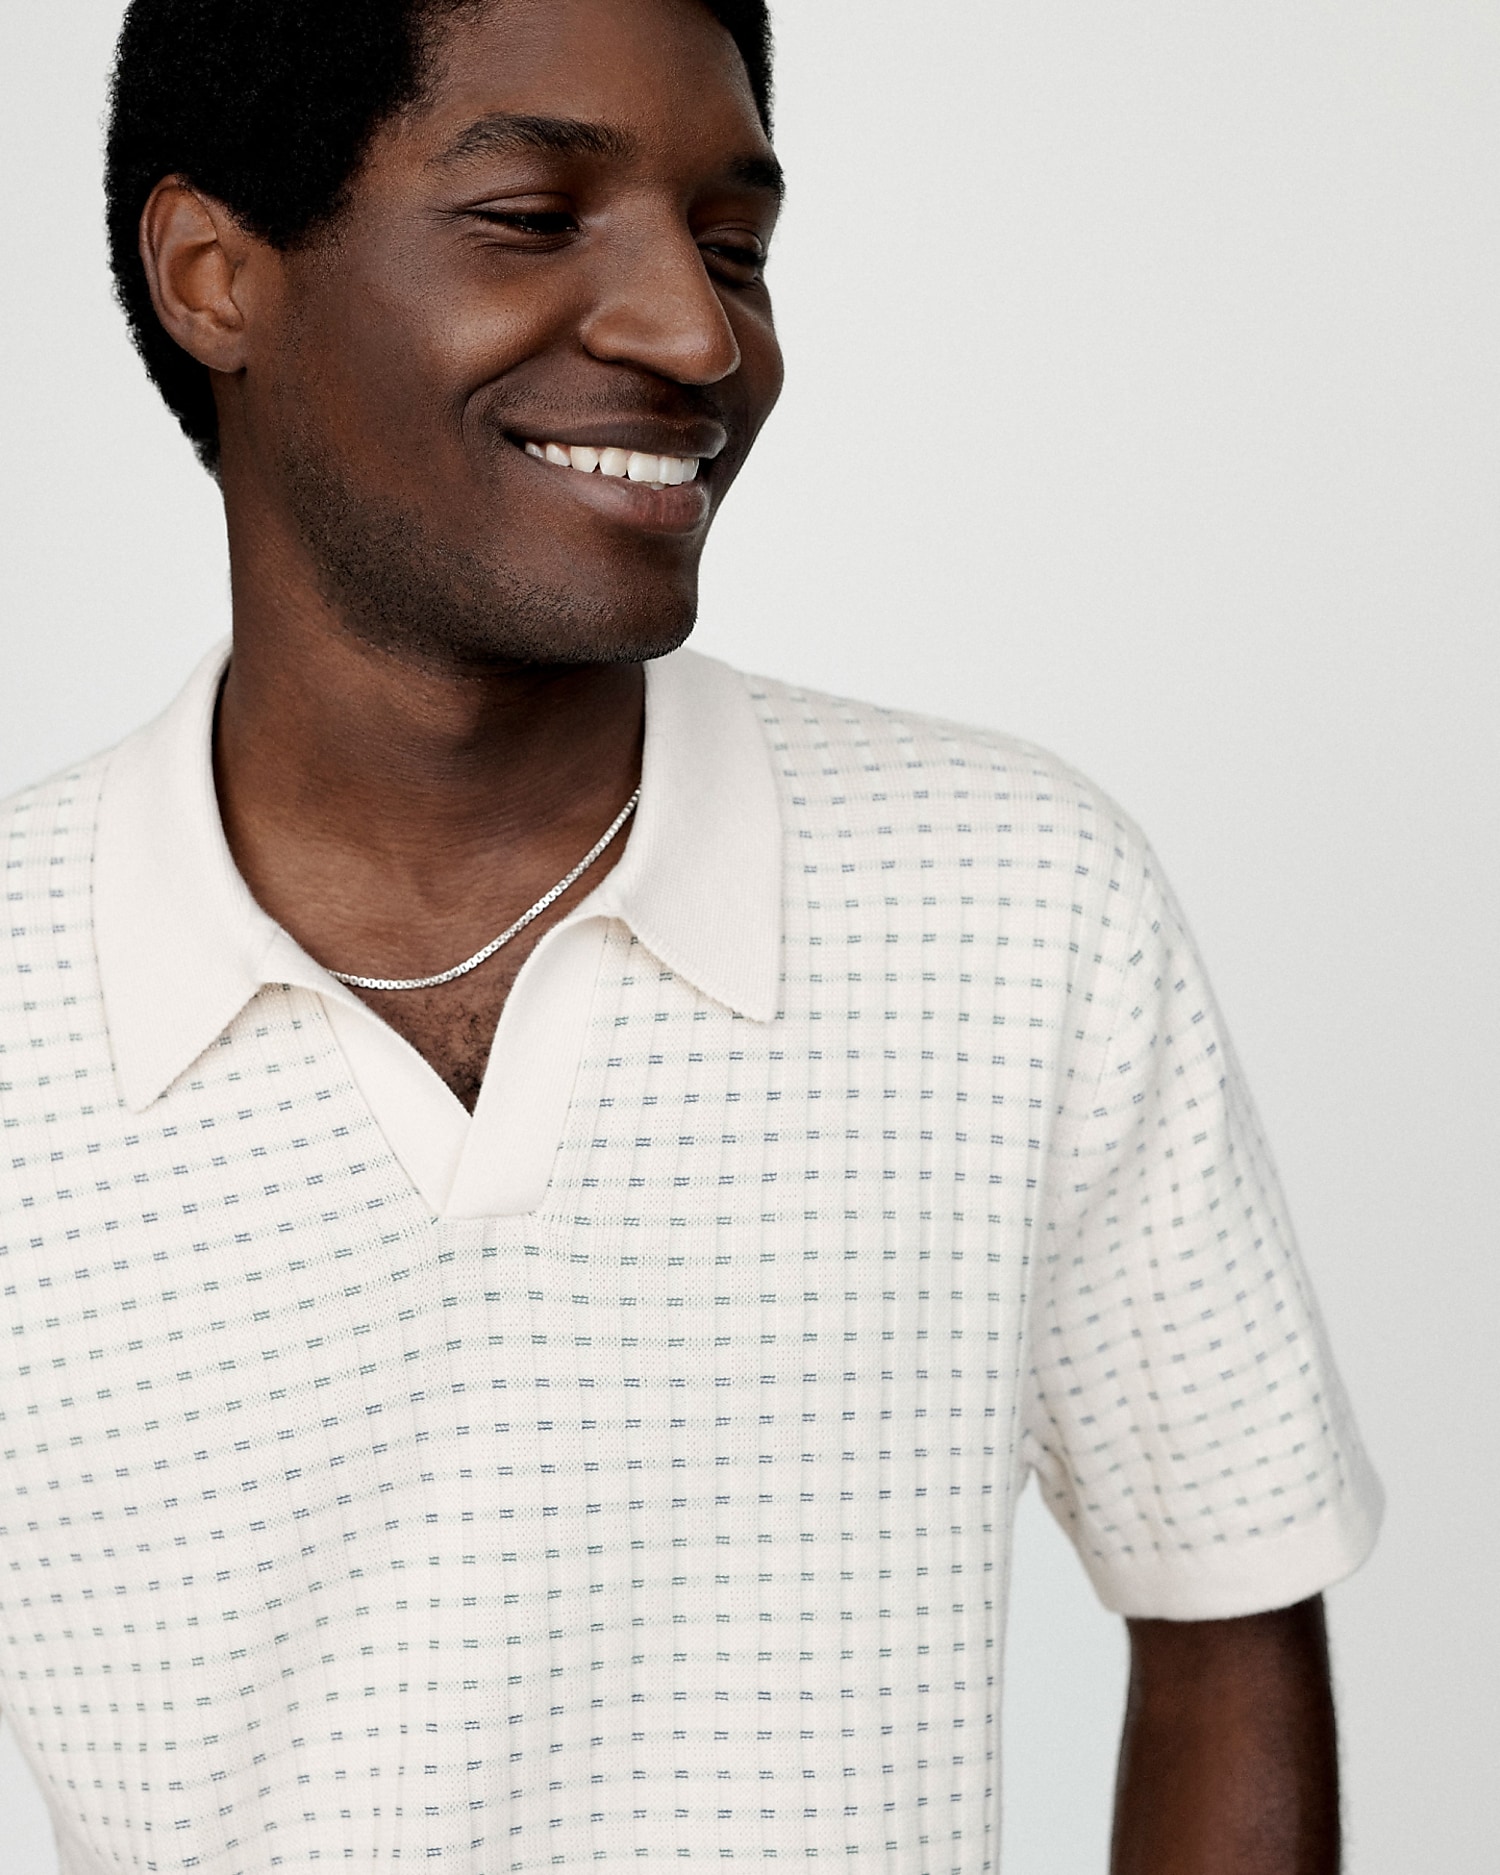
x: 410, y: 594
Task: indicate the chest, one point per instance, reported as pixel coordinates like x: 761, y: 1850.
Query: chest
x: 283, y: 1445
x: 235, y: 1314
x: 452, y: 1027
x: 897, y: 1110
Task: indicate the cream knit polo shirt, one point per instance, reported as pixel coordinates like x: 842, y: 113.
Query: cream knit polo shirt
x: 624, y: 1477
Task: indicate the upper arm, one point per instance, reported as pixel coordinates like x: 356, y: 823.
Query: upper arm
x: 1185, y: 1417
x: 1229, y: 1759
x: 1253, y: 1652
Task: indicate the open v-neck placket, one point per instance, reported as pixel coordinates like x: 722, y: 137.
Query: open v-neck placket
x: 499, y: 1161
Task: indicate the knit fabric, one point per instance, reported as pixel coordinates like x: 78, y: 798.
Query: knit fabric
x: 668, y: 1523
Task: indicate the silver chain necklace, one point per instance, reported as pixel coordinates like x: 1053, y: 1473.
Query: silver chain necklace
x: 526, y: 917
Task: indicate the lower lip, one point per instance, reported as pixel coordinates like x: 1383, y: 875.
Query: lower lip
x: 680, y: 510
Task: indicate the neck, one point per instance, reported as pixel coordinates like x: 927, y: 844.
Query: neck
x: 359, y: 747
x: 352, y: 777
x: 393, y: 812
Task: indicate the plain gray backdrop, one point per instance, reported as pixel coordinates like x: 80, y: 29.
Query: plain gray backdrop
x: 1143, y: 400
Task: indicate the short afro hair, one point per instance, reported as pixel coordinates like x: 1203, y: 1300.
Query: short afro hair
x: 269, y: 106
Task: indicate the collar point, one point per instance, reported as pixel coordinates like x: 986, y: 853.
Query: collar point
x: 138, y: 1097
x: 762, y: 1009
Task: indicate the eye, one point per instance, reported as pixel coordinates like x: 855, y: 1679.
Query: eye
x: 535, y: 224
x: 741, y: 262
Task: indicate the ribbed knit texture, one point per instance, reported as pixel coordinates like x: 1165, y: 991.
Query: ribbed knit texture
x: 670, y: 1523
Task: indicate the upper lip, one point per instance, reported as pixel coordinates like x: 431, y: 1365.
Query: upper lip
x: 648, y: 436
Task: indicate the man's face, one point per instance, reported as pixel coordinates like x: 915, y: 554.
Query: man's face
x: 550, y: 271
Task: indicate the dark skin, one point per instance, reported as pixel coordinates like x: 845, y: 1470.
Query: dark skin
x: 435, y: 702
x: 1229, y: 1760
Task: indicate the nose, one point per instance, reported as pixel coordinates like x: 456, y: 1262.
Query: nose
x: 657, y: 309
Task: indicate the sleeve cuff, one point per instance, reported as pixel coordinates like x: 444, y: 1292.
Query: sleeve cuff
x: 1248, y: 1577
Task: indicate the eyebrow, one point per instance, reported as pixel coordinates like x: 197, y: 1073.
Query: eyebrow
x: 759, y: 172
x: 508, y: 133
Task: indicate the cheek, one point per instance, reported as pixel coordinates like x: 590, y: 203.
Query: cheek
x: 469, y: 341
x: 396, y: 373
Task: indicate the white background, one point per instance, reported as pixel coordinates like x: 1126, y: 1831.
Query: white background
x: 1143, y: 400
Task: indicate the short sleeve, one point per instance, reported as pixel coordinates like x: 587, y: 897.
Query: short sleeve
x: 1184, y: 1417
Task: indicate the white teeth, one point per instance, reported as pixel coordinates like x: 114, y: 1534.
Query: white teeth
x: 636, y: 464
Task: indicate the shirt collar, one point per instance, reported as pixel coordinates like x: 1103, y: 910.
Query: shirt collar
x: 700, y: 880
x: 183, y: 946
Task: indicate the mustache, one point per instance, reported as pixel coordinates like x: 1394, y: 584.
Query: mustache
x: 622, y: 406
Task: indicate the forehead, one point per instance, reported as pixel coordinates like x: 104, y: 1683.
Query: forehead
x: 654, y: 69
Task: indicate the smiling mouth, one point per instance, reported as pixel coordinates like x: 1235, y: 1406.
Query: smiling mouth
x: 631, y: 465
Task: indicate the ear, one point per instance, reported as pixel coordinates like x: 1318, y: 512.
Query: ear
x: 195, y: 255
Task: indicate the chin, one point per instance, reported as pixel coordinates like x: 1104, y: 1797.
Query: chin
x: 496, y: 637
x: 451, y: 610
x: 418, y: 593
x: 528, y: 625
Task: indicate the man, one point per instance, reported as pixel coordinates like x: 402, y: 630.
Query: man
x: 553, y: 1192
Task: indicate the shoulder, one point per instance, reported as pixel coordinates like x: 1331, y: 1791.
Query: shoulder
x: 45, y: 823
x: 47, y: 834
x: 943, y: 790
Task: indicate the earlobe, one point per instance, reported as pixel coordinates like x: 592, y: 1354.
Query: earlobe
x: 194, y: 253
